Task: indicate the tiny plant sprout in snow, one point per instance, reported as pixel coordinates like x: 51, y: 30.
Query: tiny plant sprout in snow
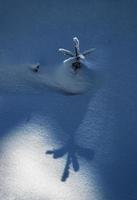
x: 76, y: 57
x: 35, y: 67
x: 74, y: 76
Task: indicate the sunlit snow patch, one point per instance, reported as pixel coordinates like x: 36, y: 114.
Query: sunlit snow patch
x: 26, y: 173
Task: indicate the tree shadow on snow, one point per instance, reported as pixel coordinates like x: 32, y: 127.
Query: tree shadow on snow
x: 70, y: 114
x: 73, y: 151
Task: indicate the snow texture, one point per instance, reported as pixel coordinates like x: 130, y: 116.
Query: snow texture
x: 55, y: 145
x: 23, y: 79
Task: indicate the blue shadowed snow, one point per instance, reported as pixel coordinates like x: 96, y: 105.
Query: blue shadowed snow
x: 35, y: 119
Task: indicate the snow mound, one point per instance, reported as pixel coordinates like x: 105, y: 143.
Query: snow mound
x: 34, y: 79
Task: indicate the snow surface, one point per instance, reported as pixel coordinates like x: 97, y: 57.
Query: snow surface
x: 35, y: 118
x: 22, y: 79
